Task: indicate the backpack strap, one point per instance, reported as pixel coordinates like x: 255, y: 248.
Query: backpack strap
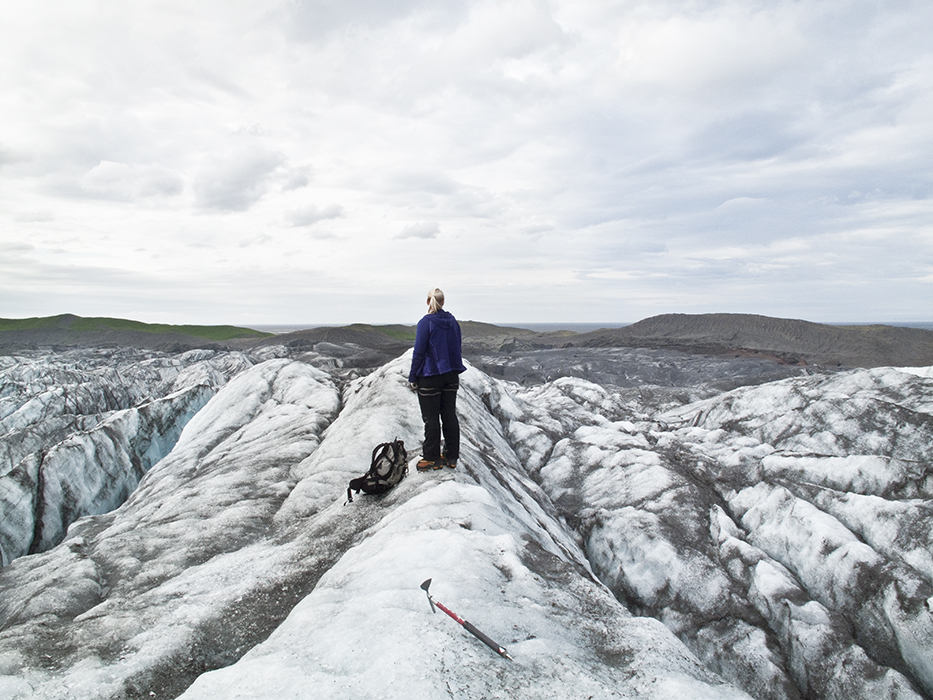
x: 355, y: 485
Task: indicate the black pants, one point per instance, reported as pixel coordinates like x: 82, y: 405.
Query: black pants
x: 437, y: 396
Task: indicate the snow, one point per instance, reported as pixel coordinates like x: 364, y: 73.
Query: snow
x: 772, y: 541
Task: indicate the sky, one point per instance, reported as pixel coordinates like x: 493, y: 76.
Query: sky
x: 329, y: 161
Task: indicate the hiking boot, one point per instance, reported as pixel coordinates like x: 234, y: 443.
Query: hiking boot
x: 452, y: 463
x: 426, y: 464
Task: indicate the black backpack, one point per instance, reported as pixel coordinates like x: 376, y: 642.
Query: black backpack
x: 389, y: 466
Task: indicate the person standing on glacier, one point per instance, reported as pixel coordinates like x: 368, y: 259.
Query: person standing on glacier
x: 436, y: 364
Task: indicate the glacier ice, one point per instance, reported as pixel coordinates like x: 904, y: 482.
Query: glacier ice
x: 80, y: 429
x: 772, y: 541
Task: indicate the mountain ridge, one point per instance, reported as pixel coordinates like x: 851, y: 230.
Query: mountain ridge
x: 784, y: 341
x: 788, y: 341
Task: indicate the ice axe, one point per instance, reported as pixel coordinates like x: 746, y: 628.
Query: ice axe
x: 470, y: 627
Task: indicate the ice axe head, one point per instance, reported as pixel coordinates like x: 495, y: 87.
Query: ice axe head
x: 425, y: 586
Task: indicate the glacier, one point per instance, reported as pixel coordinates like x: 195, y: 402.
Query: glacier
x: 191, y: 536
x: 81, y: 428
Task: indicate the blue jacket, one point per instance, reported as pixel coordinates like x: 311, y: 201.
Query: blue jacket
x: 437, y: 346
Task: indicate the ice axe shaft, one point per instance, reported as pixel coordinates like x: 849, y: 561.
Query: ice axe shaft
x: 469, y: 626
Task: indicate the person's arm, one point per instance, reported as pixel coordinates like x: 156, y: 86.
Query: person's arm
x: 458, y: 349
x: 418, y: 354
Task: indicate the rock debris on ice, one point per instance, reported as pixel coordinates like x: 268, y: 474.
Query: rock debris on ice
x: 772, y: 541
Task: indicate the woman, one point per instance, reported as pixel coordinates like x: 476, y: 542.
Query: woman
x: 436, y: 364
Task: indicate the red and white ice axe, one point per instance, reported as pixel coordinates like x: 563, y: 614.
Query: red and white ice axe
x: 470, y: 627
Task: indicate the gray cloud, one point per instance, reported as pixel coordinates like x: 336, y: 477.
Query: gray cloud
x: 310, y: 215
x: 34, y: 216
x: 236, y: 181
x: 438, y: 183
x: 296, y: 178
x: 16, y: 248
x: 316, y: 19
x: 7, y: 155
x: 128, y: 182
x: 420, y: 229
x: 747, y: 136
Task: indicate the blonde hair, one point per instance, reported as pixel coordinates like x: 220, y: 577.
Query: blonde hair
x: 435, y: 300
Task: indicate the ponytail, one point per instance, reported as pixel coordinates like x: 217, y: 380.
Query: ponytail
x: 435, y: 300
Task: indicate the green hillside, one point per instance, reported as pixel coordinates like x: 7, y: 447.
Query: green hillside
x: 78, y: 324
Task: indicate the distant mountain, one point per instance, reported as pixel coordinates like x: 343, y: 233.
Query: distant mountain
x: 68, y: 330
x: 788, y: 341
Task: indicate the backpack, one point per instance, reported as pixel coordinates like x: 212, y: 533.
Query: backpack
x: 389, y: 466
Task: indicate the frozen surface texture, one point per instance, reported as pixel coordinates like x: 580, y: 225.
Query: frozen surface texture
x: 79, y: 429
x: 633, y: 541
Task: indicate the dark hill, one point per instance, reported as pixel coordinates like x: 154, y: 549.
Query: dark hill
x: 477, y: 337
x: 363, y: 345
x: 360, y: 334
x: 788, y: 341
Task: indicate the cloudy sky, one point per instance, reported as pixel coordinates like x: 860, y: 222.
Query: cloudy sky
x: 327, y: 161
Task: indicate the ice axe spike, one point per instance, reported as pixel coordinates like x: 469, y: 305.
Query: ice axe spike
x: 469, y: 626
